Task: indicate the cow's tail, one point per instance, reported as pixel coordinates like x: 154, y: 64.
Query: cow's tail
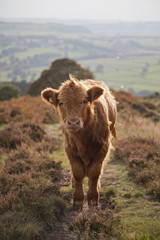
x: 114, y: 132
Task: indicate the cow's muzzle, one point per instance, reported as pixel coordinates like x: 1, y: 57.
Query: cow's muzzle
x: 73, y: 124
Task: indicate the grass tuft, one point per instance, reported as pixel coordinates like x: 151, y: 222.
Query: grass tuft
x: 109, y: 192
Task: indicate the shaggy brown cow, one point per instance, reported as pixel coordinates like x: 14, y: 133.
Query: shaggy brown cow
x: 88, y: 111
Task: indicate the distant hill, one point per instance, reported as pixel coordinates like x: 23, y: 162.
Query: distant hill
x: 36, y: 28
x: 126, y: 28
x: 81, y: 26
x: 58, y: 73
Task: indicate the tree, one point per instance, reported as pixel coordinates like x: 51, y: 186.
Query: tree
x: 58, y: 73
x: 8, y: 91
x: 99, y: 68
x: 144, y: 71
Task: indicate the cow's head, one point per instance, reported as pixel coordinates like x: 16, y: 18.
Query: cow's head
x: 74, y: 102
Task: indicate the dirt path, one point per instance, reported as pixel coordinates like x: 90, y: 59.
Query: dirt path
x: 139, y: 215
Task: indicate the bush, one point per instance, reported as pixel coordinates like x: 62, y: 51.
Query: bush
x: 58, y: 73
x: 8, y: 91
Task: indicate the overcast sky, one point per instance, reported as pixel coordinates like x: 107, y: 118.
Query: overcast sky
x: 145, y: 10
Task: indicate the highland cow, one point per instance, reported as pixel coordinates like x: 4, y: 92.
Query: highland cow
x: 88, y: 111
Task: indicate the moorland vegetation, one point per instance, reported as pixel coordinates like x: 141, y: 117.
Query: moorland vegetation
x: 34, y: 186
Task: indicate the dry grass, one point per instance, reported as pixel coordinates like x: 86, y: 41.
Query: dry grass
x: 137, y: 125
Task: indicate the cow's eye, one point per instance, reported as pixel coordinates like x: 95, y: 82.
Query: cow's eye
x: 60, y: 103
x: 84, y: 102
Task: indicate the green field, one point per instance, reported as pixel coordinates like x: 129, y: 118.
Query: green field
x: 128, y: 73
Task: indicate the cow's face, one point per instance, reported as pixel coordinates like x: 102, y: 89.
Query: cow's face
x: 73, y: 102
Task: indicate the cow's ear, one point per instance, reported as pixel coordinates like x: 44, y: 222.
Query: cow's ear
x: 94, y: 93
x: 50, y: 96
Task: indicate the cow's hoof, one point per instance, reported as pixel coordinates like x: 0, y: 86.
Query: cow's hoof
x: 78, y: 206
x: 93, y: 205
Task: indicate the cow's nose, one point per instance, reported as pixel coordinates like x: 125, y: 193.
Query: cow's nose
x: 74, y: 122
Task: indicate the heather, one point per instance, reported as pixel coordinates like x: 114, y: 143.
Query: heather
x: 26, y: 108
x: 142, y: 156
x: 35, y: 191
x: 131, y: 106
x: 96, y: 224
x: 30, y: 197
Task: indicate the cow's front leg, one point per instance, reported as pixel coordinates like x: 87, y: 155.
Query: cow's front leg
x: 78, y: 174
x: 94, y: 173
x: 78, y: 194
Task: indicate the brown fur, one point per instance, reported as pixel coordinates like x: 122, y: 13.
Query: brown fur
x: 88, y: 111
